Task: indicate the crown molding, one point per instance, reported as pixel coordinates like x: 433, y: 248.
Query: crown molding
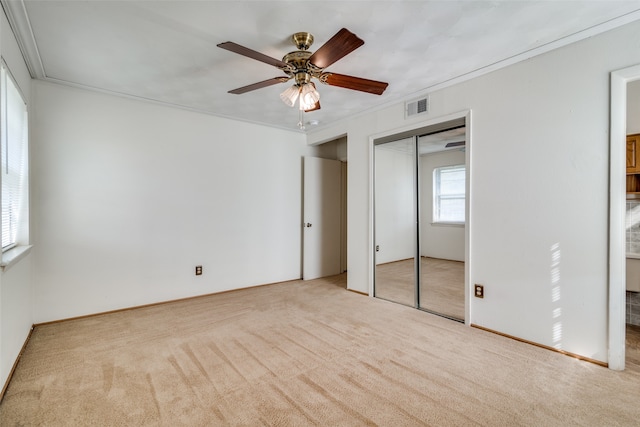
x: 21, y: 26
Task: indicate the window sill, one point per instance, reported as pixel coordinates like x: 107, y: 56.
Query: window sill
x: 448, y: 224
x: 13, y: 255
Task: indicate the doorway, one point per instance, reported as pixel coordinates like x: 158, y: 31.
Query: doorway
x: 324, y: 210
x: 620, y: 81
x: 420, y: 205
x: 321, y: 225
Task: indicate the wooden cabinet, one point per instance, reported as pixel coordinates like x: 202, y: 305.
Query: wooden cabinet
x: 633, y: 153
x: 633, y: 165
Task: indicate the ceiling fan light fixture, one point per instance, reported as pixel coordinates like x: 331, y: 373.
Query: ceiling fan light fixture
x: 306, y: 106
x: 290, y: 95
x: 308, y: 94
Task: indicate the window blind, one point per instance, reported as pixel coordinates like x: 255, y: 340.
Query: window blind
x: 13, y: 157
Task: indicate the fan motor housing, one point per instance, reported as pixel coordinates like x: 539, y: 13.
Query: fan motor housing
x: 297, y: 59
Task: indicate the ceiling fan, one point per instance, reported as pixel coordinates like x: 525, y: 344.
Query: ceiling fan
x: 302, y: 66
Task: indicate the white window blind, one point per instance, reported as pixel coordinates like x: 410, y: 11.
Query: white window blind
x: 449, y: 194
x: 13, y: 157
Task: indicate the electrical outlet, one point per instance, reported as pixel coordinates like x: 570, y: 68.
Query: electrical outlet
x: 198, y: 270
x: 479, y: 291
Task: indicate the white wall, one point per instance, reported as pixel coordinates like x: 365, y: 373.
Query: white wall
x: 16, y: 311
x: 16, y: 284
x: 438, y: 240
x: 395, y: 204
x: 131, y: 196
x: 539, y: 176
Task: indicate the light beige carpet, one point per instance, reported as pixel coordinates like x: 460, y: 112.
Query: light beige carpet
x: 302, y: 353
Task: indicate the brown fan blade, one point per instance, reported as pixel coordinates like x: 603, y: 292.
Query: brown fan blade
x: 355, y: 83
x: 315, y: 107
x: 249, y: 53
x: 259, y: 85
x: 340, y: 45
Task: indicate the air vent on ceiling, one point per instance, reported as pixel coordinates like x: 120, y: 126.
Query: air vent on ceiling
x: 419, y: 106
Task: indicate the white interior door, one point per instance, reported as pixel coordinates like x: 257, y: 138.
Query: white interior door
x: 321, y: 239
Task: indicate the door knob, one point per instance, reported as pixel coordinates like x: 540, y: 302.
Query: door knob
x: 308, y: 224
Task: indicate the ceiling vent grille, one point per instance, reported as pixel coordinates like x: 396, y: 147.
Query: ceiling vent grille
x: 419, y: 106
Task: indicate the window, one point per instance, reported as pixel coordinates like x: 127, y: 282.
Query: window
x: 13, y: 155
x: 449, y: 194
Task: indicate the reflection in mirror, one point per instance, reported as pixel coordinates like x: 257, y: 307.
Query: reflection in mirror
x: 395, y: 219
x: 442, y: 198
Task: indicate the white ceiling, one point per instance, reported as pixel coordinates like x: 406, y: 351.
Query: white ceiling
x: 165, y: 51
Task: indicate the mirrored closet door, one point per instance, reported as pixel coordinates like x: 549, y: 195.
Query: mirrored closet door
x: 442, y: 222
x: 395, y: 220
x: 420, y: 199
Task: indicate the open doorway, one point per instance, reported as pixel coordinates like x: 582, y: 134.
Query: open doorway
x: 325, y: 210
x: 619, y: 246
x: 632, y: 238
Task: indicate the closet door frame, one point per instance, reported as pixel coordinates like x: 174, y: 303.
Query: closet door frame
x: 415, y: 130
